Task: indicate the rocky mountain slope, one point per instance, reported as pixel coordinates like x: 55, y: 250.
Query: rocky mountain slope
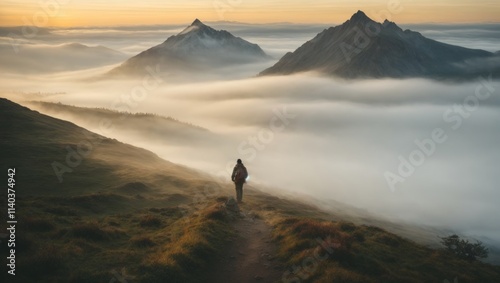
x: 361, y: 48
x: 198, y: 48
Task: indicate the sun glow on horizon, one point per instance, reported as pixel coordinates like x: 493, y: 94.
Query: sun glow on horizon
x: 65, y: 13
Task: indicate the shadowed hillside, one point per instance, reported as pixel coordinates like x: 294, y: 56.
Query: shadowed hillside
x: 92, y: 163
x: 143, y: 125
x: 122, y: 213
x: 118, y: 208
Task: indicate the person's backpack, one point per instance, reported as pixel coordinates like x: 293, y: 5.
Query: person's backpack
x: 241, y: 174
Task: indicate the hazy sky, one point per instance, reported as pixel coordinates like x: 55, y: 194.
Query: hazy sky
x: 135, y: 12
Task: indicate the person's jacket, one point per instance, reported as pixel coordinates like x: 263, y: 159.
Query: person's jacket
x: 241, y: 171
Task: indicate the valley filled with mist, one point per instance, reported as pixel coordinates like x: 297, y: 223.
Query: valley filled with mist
x: 307, y: 134
x: 411, y: 151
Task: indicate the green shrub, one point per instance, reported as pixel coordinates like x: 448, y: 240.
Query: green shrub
x: 46, y: 261
x: 142, y: 242
x: 464, y: 249
x: 150, y: 221
x: 89, y: 231
x: 38, y: 225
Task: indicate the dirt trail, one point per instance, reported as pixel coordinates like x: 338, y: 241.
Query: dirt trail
x: 249, y: 255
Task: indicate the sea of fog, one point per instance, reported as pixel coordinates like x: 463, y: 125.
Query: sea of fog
x: 414, y: 150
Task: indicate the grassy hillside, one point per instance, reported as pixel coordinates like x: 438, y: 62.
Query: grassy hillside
x: 122, y: 213
x: 121, y: 207
x: 142, y: 125
x: 316, y: 248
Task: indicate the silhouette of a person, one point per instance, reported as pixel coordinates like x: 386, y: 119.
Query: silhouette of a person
x: 239, y: 177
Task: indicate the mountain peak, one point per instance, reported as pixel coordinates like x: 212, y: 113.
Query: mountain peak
x: 388, y: 52
x: 360, y: 16
x: 391, y: 25
x: 197, y: 23
x: 197, y: 48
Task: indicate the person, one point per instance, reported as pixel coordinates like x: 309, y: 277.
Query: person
x: 239, y: 177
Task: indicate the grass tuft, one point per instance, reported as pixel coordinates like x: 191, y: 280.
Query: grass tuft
x: 347, y: 226
x: 215, y: 212
x: 46, y: 261
x: 142, y: 242
x: 38, y: 224
x: 92, y: 232
x: 150, y: 221
x: 200, y: 239
x: 61, y: 211
x: 389, y: 240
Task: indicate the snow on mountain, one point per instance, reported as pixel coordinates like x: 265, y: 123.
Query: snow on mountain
x: 361, y: 47
x: 198, y: 48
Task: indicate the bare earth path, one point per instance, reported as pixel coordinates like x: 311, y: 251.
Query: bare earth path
x: 249, y: 256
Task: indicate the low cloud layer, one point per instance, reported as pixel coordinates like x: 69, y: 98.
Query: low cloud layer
x: 42, y: 58
x: 477, y: 36
x: 41, y: 50
x: 328, y: 138
x: 337, y: 140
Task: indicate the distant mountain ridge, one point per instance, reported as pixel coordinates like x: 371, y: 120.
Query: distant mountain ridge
x: 34, y: 59
x: 361, y: 47
x: 197, y: 48
x: 150, y: 126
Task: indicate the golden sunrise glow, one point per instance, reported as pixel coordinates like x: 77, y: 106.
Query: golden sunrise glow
x: 131, y: 12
